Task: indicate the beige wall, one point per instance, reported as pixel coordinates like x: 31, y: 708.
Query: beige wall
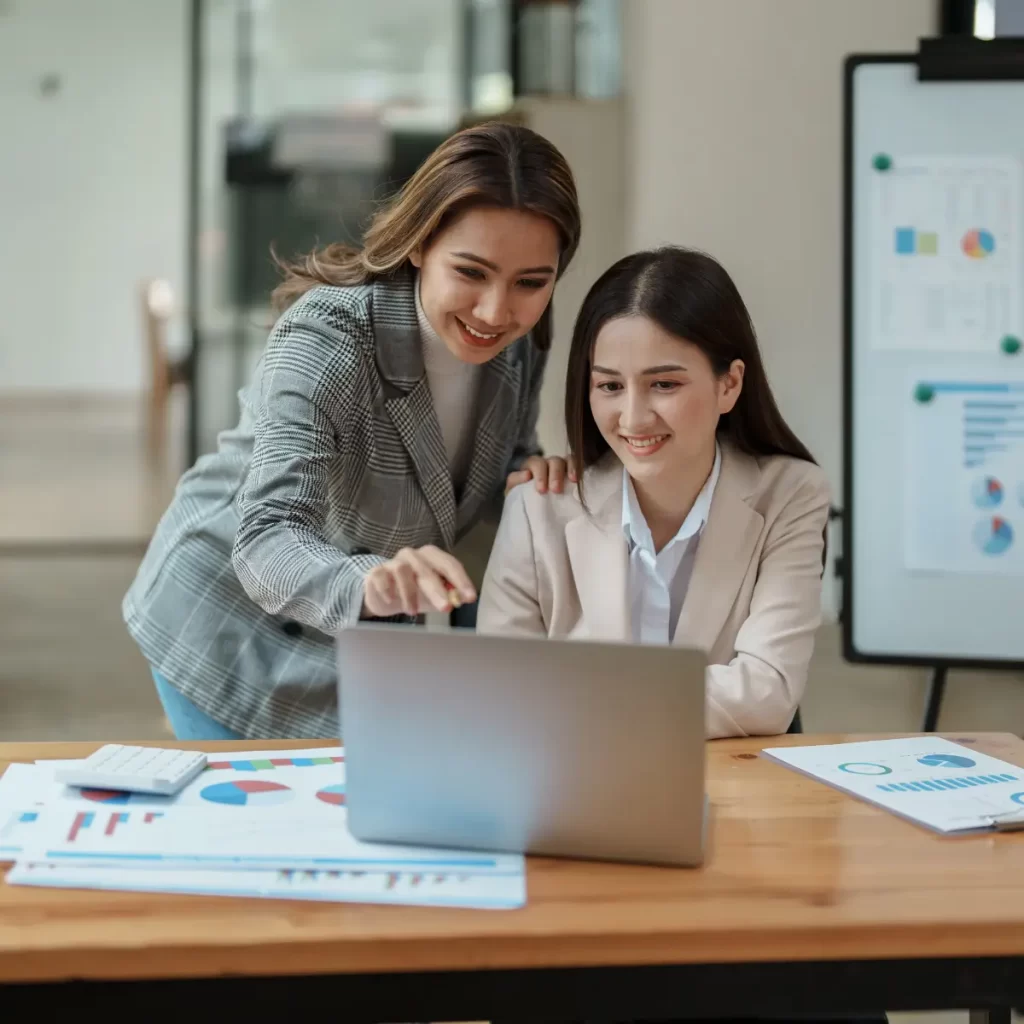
x: 734, y: 135
x: 589, y: 133
x: 734, y: 145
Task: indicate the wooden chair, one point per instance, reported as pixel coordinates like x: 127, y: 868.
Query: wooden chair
x: 165, y: 372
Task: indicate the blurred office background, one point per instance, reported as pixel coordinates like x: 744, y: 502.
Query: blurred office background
x: 154, y: 150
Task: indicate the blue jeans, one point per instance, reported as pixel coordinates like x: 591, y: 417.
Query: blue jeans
x: 187, y: 721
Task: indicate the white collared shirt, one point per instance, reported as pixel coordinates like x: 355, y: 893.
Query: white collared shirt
x: 658, y: 581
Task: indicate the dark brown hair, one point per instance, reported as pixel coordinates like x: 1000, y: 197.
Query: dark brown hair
x: 690, y: 295
x: 492, y: 164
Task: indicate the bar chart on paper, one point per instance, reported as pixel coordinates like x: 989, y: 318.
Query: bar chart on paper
x: 108, y: 822
x: 945, y: 785
x: 934, y: 781
x: 965, y: 474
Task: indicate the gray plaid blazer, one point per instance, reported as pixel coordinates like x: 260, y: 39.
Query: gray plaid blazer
x: 336, y: 463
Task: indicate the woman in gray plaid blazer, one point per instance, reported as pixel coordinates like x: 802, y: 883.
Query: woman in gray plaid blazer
x: 335, y: 497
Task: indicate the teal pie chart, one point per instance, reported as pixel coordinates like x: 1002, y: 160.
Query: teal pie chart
x: 987, y: 492
x: 247, y: 793
x: 946, y: 761
x: 993, y: 536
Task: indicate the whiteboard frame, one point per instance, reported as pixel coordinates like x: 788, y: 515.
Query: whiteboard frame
x: 850, y: 651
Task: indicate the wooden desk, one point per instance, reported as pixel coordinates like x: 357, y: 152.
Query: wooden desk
x: 810, y: 901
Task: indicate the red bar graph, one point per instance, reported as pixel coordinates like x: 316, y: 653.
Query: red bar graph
x: 83, y: 819
x: 113, y: 821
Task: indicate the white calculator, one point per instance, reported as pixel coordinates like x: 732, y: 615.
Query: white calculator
x: 135, y: 769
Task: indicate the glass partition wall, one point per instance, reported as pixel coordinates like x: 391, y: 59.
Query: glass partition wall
x: 306, y: 112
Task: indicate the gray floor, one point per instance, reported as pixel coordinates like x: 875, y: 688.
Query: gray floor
x: 68, y: 669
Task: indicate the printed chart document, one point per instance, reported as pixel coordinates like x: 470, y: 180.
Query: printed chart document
x: 483, y: 892
x: 944, y: 785
x: 964, y: 477
x: 945, y: 253
x: 255, y: 823
x: 23, y: 789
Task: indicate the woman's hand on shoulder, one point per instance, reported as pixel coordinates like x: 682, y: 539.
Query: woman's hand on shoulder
x: 415, y: 580
x: 547, y: 473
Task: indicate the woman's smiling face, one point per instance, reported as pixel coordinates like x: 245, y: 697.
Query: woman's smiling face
x: 486, y: 279
x: 656, y: 398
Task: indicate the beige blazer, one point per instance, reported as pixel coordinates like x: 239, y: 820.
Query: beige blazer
x: 754, y: 600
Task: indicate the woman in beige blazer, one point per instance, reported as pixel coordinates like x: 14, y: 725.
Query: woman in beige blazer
x: 700, y: 518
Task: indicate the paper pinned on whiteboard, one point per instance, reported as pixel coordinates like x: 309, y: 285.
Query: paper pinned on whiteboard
x: 946, y: 271
x: 964, y: 476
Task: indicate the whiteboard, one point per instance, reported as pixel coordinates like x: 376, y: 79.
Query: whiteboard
x: 933, y: 389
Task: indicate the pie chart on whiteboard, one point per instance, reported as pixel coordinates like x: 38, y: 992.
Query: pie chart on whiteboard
x: 987, y: 492
x: 993, y: 536
x: 978, y: 243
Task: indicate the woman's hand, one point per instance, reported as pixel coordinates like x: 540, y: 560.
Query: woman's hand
x: 547, y: 472
x: 416, y: 578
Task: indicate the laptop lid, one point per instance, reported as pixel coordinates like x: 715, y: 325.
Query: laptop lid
x: 574, y: 748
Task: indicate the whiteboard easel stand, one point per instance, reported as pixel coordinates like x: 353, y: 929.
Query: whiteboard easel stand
x: 943, y: 59
x: 936, y: 691
x: 948, y: 59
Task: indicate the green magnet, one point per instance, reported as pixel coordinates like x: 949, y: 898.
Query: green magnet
x: 924, y: 393
x: 882, y: 162
x: 1010, y: 345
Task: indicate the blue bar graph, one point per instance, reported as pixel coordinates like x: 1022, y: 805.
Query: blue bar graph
x: 966, y: 387
x: 993, y: 415
x: 946, y: 785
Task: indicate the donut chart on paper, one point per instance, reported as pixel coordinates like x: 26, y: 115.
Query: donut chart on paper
x: 864, y: 768
x: 248, y: 793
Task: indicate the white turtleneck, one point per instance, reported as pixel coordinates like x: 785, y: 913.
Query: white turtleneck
x: 453, y: 386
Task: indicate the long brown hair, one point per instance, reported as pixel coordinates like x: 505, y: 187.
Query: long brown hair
x: 492, y: 164
x: 690, y: 295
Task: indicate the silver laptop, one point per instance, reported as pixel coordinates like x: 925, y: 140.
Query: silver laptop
x: 557, y: 747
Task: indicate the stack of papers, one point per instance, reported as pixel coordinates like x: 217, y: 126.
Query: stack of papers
x: 944, y: 785
x: 253, y: 823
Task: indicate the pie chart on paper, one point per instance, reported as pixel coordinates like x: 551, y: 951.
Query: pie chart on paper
x: 946, y: 761
x: 334, y: 795
x: 987, y: 492
x: 106, y: 796
x: 993, y: 536
x: 978, y: 243
x: 248, y: 793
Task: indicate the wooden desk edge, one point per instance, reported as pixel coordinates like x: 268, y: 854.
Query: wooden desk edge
x: 33, y: 750
x: 369, y: 955
x: 504, y: 954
